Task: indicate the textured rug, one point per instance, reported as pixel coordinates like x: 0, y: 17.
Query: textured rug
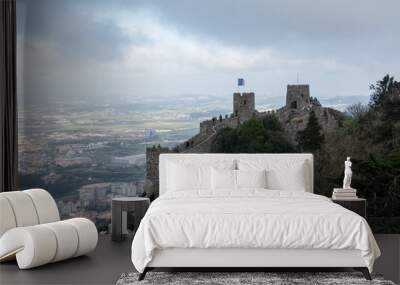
x: 229, y: 278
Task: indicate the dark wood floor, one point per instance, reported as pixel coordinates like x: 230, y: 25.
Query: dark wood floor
x: 103, y: 266
x: 110, y: 260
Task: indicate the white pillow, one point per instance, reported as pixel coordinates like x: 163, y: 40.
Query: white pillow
x: 188, y: 177
x: 223, y: 179
x: 188, y: 174
x: 290, y: 178
x: 282, y: 174
x: 251, y: 178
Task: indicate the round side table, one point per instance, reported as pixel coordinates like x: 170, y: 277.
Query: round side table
x: 120, y: 207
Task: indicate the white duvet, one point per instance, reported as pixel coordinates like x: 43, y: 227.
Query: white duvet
x: 250, y: 219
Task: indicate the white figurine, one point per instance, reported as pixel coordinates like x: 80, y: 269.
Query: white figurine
x: 347, y: 174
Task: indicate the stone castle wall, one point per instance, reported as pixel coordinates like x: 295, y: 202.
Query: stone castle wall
x: 293, y: 116
x: 151, y: 182
x: 296, y: 120
x: 207, y: 129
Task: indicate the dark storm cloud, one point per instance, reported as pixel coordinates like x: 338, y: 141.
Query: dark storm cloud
x: 309, y: 27
x: 72, y: 30
x: 335, y: 28
x: 62, y: 47
x: 142, y: 48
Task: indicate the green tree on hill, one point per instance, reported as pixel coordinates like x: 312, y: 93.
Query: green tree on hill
x: 385, y: 106
x: 311, y: 138
x: 382, y: 91
x: 254, y: 136
x: 371, y: 136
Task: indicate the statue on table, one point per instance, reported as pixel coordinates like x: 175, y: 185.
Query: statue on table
x: 347, y: 174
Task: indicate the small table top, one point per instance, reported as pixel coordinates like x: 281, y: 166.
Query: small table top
x: 349, y: 199
x: 130, y: 199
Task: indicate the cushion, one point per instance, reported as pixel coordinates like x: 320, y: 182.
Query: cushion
x: 41, y: 244
x: 7, y: 218
x: 282, y: 174
x: 251, y: 178
x: 293, y: 179
x: 186, y: 177
x: 23, y: 208
x: 67, y: 239
x: 46, y: 207
x: 223, y: 179
x: 32, y: 246
x: 26, y: 208
x: 189, y: 175
x: 87, y: 233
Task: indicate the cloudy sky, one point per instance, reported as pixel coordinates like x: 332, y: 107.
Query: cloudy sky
x: 147, y: 49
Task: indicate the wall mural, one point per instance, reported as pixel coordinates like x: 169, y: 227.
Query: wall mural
x: 104, y: 88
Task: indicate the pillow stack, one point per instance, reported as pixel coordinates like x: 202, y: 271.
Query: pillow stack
x: 231, y: 175
x: 186, y: 175
x: 281, y: 174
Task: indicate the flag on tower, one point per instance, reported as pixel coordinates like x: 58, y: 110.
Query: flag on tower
x: 240, y: 82
x: 149, y: 132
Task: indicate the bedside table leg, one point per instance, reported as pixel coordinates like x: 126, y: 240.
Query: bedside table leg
x: 116, y: 221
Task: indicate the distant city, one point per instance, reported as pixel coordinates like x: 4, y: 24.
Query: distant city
x: 86, y: 153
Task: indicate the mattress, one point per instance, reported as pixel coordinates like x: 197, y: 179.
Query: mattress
x: 250, y: 219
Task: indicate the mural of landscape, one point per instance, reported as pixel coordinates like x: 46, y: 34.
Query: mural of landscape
x: 85, y: 154
x: 105, y: 87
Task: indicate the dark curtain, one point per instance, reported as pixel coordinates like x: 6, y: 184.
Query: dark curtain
x: 8, y: 97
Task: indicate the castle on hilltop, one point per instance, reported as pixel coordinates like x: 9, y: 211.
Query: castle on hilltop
x: 293, y: 116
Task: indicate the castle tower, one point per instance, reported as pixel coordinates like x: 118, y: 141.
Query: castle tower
x: 243, y: 105
x: 298, y: 96
x: 151, y: 186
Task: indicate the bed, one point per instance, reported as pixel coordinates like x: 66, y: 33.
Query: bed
x: 245, y: 211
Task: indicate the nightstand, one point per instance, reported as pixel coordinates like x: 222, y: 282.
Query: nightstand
x: 357, y: 205
x: 124, y: 209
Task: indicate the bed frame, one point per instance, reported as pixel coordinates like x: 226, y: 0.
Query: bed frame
x: 249, y: 259
x: 244, y: 259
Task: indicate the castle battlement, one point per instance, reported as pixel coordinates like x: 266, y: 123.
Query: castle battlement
x: 298, y: 96
x: 220, y: 122
x: 152, y: 159
x: 243, y: 105
x: 293, y: 116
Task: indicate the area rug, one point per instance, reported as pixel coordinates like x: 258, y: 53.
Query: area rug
x: 229, y: 278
